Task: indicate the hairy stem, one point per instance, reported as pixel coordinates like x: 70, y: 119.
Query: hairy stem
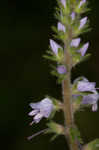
x: 67, y: 96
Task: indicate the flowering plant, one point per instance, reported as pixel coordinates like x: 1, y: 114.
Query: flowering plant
x: 67, y: 51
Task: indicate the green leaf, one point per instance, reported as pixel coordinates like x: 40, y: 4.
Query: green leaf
x: 55, y: 127
x: 54, y: 137
x: 93, y: 145
x: 86, y: 57
x: 60, y: 53
x: 75, y: 134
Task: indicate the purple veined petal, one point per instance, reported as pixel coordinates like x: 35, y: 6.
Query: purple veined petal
x: 81, y: 3
x: 73, y: 15
x: 61, y: 69
x: 83, y: 86
x: 38, y: 117
x: 94, y: 107
x: 84, y: 49
x: 54, y: 46
x: 61, y: 27
x: 75, y: 42
x: 63, y: 3
x: 83, y: 21
x: 33, y: 112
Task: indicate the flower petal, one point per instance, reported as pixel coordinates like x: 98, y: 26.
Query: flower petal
x: 33, y: 112
x: 90, y: 99
x: 46, y: 107
x: 86, y: 86
x: 38, y: 117
x: 34, y: 105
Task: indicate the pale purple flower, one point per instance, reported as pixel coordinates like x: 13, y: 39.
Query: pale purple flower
x: 84, y: 49
x: 91, y: 99
x: 61, y: 27
x: 83, y: 86
x: 63, y: 3
x: 81, y: 3
x: 54, y: 46
x: 61, y: 69
x: 75, y: 42
x: 83, y: 21
x: 73, y: 15
x: 41, y: 109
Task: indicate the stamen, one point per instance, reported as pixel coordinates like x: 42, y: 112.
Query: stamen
x: 36, y: 134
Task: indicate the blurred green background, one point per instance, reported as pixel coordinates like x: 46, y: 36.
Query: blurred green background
x: 25, y: 29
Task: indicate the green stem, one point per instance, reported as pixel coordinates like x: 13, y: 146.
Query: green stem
x: 67, y: 96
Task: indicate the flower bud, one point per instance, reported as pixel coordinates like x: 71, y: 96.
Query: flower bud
x: 61, y: 69
x: 81, y: 3
x: 75, y: 42
x: 73, y: 16
x: 63, y: 3
x: 54, y: 46
x: 61, y: 27
x: 82, y: 22
x: 84, y: 49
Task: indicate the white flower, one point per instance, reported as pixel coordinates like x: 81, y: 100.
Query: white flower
x: 41, y: 109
